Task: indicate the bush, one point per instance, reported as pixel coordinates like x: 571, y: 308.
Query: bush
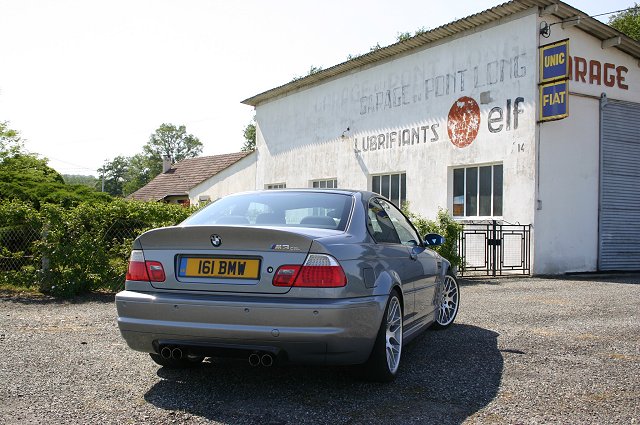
x: 20, y: 229
x: 81, y: 249
x: 444, y: 225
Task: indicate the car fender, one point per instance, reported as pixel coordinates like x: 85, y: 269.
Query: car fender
x: 386, y: 282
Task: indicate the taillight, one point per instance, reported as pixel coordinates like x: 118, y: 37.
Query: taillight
x: 318, y: 271
x: 139, y: 269
x: 285, y: 275
x: 156, y: 271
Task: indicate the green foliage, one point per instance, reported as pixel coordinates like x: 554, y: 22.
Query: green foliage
x: 10, y: 141
x: 444, y: 225
x: 628, y: 22
x: 312, y: 70
x: 174, y: 142
x: 20, y: 228
x: 26, y: 177
x: 83, y: 249
x: 89, y: 181
x: 402, y: 36
x: 420, y: 30
x: 250, y: 136
x: 113, y: 172
x: 138, y: 174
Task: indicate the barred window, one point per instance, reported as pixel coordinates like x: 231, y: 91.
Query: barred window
x: 275, y: 186
x: 325, y: 184
x: 391, y: 186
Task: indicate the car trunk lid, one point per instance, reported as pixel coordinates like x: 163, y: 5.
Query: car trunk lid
x: 230, y: 259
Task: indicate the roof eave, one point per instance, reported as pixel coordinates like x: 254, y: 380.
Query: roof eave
x: 589, y: 25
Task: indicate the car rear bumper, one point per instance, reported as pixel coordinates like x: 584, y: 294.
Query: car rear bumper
x: 312, y: 331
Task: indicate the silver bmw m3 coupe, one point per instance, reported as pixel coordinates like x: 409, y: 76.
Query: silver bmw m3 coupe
x: 333, y: 277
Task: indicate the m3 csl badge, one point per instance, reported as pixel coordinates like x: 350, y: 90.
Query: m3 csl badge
x: 216, y: 240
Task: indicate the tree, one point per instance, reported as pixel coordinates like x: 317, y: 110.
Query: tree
x: 89, y: 181
x: 628, y: 22
x: 10, y: 141
x: 27, y: 177
x: 250, y: 136
x: 138, y: 174
x: 112, y: 175
x: 172, y: 141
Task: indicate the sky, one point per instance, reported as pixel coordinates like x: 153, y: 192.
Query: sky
x: 87, y: 80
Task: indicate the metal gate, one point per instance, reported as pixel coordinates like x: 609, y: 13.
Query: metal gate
x: 494, y: 249
x: 619, y: 215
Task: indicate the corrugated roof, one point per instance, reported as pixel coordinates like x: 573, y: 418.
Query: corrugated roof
x: 185, y: 175
x: 564, y: 11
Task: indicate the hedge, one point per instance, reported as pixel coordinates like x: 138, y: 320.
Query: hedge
x: 66, y: 252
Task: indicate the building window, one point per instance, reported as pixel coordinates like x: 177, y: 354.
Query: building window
x: 391, y: 186
x: 477, y: 191
x: 275, y: 186
x: 325, y: 184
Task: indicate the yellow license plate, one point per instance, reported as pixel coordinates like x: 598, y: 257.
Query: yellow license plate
x: 229, y: 268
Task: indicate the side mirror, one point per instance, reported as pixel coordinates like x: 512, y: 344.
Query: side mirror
x: 433, y: 239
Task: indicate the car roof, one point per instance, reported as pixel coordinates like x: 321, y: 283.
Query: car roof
x: 313, y: 190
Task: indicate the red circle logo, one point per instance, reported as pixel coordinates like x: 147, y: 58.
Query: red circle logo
x: 463, y: 121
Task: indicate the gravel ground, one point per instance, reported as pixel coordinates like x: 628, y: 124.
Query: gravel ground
x: 528, y: 350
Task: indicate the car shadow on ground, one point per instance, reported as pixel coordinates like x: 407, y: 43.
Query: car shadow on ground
x: 446, y: 376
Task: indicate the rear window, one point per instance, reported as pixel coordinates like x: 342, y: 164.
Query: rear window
x: 278, y: 209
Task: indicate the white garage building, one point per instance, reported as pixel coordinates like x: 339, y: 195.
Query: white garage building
x: 453, y: 118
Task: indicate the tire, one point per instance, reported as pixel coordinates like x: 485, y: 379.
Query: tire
x: 185, y: 363
x: 448, y: 304
x: 384, y: 361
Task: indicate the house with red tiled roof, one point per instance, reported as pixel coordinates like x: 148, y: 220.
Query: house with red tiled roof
x: 200, y: 179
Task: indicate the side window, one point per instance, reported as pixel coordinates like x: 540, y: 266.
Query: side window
x: 406, y: 233
x: 380, y: 223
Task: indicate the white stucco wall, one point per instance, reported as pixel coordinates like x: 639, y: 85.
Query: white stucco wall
x: 303, y: 136
x: 238, y: 177
x: 567, y: 224
x: 299, y: 135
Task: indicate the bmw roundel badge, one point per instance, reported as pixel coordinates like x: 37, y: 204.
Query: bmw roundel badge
x: 216, y: 240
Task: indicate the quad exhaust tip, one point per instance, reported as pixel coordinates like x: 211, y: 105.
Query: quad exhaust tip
x: 254, y: 360
x: 171, y: 353
x: 266, y: 359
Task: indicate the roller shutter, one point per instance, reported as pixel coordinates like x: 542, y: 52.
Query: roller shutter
x: 619, y: 232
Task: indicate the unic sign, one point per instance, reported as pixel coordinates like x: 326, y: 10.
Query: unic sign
x: 554, y: 87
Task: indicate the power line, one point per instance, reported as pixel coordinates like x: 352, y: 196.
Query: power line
x: 545, y: 28
x: 616, y: 11
x: 75, y: 166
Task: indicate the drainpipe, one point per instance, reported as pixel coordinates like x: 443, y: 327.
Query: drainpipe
x: 603, y: 103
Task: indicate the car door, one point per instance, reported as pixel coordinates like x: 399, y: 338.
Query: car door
x: 427, y: 260
x: 394, y: 256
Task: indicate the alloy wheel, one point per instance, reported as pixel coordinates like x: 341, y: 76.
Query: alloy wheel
x: 394, y: 334
x: 448, y: 302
